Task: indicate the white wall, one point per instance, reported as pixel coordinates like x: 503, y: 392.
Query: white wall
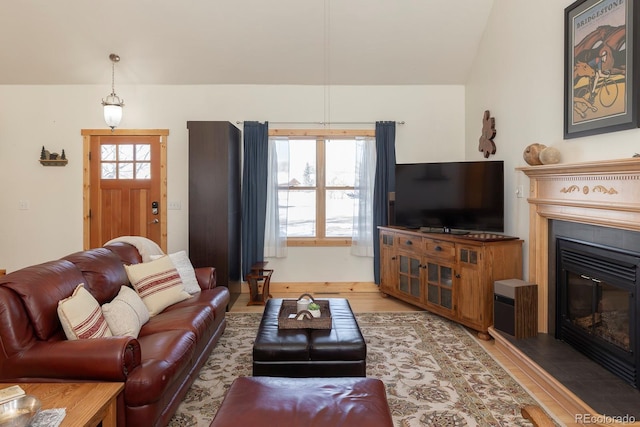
x: 518, y: 76
x: 33, y: 116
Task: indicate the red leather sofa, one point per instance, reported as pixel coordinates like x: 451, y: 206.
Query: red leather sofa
x: 157, y: 368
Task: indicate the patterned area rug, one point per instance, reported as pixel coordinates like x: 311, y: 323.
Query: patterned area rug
x: 434, y: 372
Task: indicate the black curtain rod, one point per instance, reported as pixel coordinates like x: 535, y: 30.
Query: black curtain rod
x: 325, y: 123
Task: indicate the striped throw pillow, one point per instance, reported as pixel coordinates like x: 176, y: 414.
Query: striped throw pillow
x: 81, y: 316
x: 158, y: 283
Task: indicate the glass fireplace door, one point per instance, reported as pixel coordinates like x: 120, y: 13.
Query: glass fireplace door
x: 599, y: 309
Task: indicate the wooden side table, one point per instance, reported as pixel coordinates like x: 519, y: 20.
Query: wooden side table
x: 86, y: 404
x: 3, y: 272
x: 259, y: 280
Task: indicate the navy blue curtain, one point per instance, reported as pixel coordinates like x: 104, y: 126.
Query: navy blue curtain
x: 254, y: 193
x: 385, y: 182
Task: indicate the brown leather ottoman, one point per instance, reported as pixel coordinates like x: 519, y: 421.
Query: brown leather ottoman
x: 304, y: 402
x: 337, y: 352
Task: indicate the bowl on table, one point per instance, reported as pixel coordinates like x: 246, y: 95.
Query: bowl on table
x: 19, y: 412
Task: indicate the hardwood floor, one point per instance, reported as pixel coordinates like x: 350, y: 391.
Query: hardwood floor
x: 367, y: 302
x: 361, y: 302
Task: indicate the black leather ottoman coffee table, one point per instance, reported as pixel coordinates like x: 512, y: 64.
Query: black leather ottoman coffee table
x: 337, y: 352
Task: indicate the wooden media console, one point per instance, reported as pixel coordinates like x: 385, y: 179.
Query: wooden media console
x: 450, y: 275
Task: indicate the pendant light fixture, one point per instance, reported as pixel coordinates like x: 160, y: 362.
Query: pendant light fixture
x: 112, y: 104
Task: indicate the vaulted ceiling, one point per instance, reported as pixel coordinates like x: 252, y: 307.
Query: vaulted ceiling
x: 351, y: 42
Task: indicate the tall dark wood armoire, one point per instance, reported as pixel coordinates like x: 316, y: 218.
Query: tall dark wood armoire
x: 215, y: 198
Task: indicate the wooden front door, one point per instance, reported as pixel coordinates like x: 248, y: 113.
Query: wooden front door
x: 125, y: 186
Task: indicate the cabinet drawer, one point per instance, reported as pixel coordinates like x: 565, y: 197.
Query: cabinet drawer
x: 439, y: 249
x: 410, y: 243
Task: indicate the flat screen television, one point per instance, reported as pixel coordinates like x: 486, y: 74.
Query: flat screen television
x: 450, y: 197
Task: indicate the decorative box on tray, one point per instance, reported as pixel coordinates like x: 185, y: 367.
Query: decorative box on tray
x: 290, y: 318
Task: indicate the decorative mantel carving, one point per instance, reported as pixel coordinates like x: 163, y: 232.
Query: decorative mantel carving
x: 605, y: 193
x: 585, y: 189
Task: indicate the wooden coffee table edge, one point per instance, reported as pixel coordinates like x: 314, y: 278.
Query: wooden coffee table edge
x: 86, y: 404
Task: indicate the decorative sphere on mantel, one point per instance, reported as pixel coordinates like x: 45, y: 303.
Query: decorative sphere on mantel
x: 531, y: 154
x: 549, y: 156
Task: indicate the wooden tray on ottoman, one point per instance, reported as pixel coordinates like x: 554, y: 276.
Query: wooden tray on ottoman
x: 304, y: 320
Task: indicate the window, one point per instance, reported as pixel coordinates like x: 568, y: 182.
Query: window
x: 321, y: 188
x: 319, y: 198
x: 125, y: 161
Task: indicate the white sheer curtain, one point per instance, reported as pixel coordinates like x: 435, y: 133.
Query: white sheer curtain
x: 275, y: 233
x: 362, y: 238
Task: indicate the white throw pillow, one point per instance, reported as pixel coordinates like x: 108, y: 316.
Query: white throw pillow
x: 81, y: 316
x: 126, y: 313
x: 158, y: 284
x: 185, y: 269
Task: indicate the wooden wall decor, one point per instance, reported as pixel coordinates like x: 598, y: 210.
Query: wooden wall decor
x: 487, y: 146
x: 52, y: 159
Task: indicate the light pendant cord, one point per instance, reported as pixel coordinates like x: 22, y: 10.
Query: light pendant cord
x: 327, y: 63
x: 113, y: 78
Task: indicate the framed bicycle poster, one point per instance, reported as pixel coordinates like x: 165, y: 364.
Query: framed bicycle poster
x: 600, y: 68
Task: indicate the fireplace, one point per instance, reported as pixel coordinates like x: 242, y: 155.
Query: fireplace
x: 584, y: 251
x: 596, y: 310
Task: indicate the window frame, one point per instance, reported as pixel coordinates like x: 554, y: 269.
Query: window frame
x: 320, y: 135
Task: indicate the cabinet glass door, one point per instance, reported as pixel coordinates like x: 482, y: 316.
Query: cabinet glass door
x: 409, y: 272
x: 387, y: 239
x: 469, y: 256
x: 439, y: 285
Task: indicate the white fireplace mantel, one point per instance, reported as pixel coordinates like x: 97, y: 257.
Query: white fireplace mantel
x: 605, y: 193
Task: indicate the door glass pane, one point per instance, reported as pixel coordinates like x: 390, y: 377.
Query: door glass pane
x: 143, y: 152
x: 415, y: 287
x: 404, y: 284
x: 600, y: 309
x: 473, y: 257
x: 125, y: 152
x: 446, y: 300
x: 580, y: 300
x: 302, y: 163
x: 415, y: 267
x: 404, y: 264
x: 340, y: 205
x: 340, y: 163
x: 301, y: 214
x: 433, y: 294
x: 108, y: 171
x: 615, y: 314
x: 108, y: 152
x: 143, y: 171
x: 432, y: 274
x: 445, y: 276
x: 464, y: 255
x: 125, y: 170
